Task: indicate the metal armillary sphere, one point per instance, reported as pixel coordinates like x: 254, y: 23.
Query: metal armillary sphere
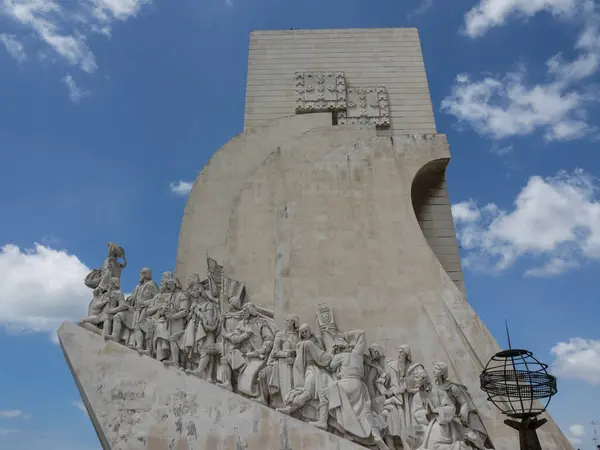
x: 519, y: 386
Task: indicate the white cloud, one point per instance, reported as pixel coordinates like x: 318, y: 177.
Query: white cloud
x: 507, y: 105
x: 574, y: 440
x: 40, y: 288
x: 492, y: 13
x: 578, y: 359
x: 555, y: 266
x: 498, y: 150
x: 65, y: 29
x: 76, y: 93
x: 181, y: 188
x: 501, y: 107
x: 555, y: 221
x: 80, y: 406
x: 424, y: 6
x: 14, y: 413
x: 465, y: 212
x: 13, y: 46
x: 7, y: 431
x: 577, y: 430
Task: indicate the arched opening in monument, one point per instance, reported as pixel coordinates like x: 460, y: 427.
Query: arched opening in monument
x: 432, y: 208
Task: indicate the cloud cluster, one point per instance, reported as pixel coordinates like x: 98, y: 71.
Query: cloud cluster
x: 554, y: 220
x: 64, y: 29
x: 80, y: 406
x: 13, y: 46
x: 13, y: 414
x: 576, y: 432
x: 181, y: 188
x: 578, y: 359
x: 501, y: 106
x: 40, y: 288
x: 76, y: 93
x: 493, y: 13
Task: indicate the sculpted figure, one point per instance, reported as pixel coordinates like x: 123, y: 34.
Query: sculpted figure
x: 277, y: 376
x: 147, y: 324
x: 473, y: 429
x: 102, y: 304
x: 401, y: 373
x: 140, y: 300
x: 349, y: 401
x: 99, y: 278
x: 374, y: 363
x: 201, y: 329
x: 229, y: 322
x: 252, y: 341
x: 389, y: 402
x: 435, y: 412
x: 115, y: 303
x: 309, y: 376
x: 169, y: 320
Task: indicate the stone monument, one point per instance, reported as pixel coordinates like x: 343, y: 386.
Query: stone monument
x: 318, y: 300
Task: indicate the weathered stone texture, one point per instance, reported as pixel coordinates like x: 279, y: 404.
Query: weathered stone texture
x: 135, y: 403
x: 327, y: 217
x: 389, y: 57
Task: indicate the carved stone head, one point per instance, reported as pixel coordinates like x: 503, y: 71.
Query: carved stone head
x: 249, y: 310
x: 440, y: 371
x: 376, y: 352
x: 115, y: 251
x: 292, y: 321
x: 340, y: 345
x: 194, y: 288
x: 145, y: 274
x: 170, y: 283
x: 305, y: 332
x: 420, y: 377
x: 404, y: 353
x: 235, y: 302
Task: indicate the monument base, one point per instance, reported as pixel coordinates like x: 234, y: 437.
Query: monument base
x: 137, y: 403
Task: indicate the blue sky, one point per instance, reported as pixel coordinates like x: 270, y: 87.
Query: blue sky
x: 107, y: 105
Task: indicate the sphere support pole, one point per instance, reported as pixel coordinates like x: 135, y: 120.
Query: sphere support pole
x: 527, y: 429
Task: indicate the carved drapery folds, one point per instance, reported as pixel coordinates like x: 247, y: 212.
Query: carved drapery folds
x: 330, y: 379
x: 328, y: 91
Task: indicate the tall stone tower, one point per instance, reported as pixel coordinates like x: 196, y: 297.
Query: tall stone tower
x: 330, y: 210
x: 368, y: 57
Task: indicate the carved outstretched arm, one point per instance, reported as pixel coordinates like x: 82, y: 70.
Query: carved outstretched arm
x: 357, y: 336
x: 237, y: 337
x: 265, y: 312
x: 181, y: 314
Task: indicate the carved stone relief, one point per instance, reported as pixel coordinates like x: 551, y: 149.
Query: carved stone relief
x: 330, y: 379
x: 366, y: 105
x: 320, y: 91
x: 327, y: 91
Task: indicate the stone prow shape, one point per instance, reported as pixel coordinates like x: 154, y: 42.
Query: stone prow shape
x: 307, y: 213
x: 136, y: 403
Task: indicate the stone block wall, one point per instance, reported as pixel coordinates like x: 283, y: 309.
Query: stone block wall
x: 389, y: 57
